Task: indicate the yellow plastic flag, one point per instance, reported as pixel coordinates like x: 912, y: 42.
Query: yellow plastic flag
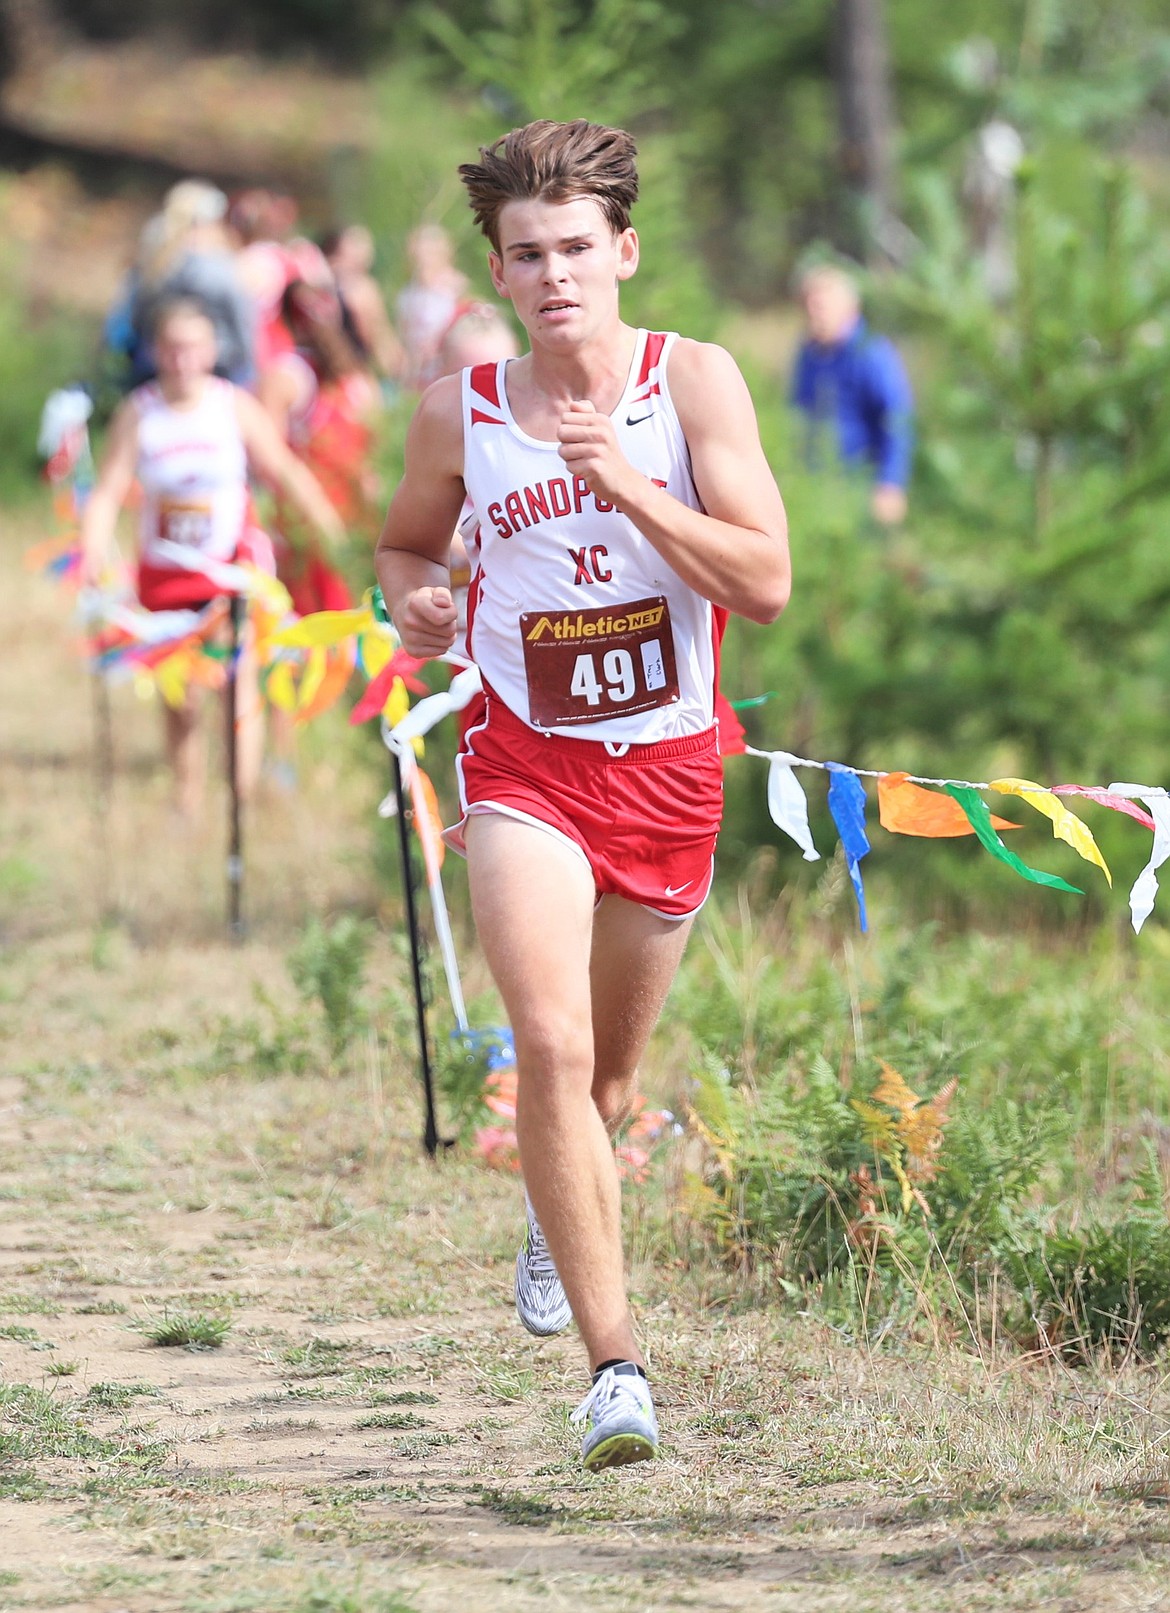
x: 1065, y: 824
x: 376, y: 651
x: 312, y: 678
x: 338, y: 666
x: 267, y: 590
x: 280, y: 688
x: 323, y: 628
x: 397, y: 703
x: 171, y: 677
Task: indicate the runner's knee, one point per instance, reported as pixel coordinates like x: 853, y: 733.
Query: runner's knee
x: 614, y: 1096
x: 554, y: 1056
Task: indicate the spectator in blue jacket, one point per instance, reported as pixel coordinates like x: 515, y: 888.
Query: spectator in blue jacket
x: 852, y: 388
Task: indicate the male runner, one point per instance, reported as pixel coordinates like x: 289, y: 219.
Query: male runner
x: 624, y: 507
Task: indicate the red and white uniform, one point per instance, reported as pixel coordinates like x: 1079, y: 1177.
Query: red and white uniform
x: 577, y: 622
x: 599, y: 662
x: 193, y: 471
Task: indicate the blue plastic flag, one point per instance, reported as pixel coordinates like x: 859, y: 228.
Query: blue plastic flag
x: 847, y: 805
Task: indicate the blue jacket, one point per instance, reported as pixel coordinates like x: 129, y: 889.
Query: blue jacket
x: 859, y: 388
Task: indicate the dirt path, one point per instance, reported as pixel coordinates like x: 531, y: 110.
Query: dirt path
x: 374, y: 1432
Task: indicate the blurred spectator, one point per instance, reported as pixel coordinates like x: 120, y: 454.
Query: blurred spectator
x: 323, y: 402
x: 852, y: 386
x: 989, y: 197
x: 350, y: 255
x: 477, y: 334
x: 426, y: 306
x: 269, y: 258
x: 184, y: 253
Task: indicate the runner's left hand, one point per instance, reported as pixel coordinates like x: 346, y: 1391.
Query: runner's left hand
x: 589, y: 448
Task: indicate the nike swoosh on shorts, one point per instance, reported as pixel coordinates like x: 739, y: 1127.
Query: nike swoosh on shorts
x: 677, y: 890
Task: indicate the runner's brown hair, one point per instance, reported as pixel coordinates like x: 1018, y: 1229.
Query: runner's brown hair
x: 554, y: 162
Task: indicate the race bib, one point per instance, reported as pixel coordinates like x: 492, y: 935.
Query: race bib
x: 588, y: 665
x: 185, y: 521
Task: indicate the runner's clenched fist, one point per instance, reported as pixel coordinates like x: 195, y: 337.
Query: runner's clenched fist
x: 589, y: 447
x: 426, y: 621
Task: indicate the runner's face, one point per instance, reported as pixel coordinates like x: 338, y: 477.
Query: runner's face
x: 184, y: 351
x: 560, y: 263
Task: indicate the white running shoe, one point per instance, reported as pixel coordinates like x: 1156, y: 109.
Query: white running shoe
x: 620, y: 1423
x: 541, y: 1303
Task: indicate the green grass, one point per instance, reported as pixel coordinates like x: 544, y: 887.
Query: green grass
x: 391, y: 1419
x: 191, y: 1330
x: 38, y: 1426
x: 117, y: 1396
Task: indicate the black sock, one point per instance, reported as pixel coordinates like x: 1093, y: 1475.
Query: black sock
x: 631, y: 1367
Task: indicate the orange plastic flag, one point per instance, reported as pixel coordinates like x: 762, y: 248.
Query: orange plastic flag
x: 908, y: 809
x: 339, y: 663
x: 428, y: 821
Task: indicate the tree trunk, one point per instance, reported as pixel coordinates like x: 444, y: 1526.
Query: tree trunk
x: 865, y: 117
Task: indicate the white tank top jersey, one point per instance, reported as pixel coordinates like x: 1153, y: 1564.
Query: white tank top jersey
x: 194, y: 472
x: 576, y: 621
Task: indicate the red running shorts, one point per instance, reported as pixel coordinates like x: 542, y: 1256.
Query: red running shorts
x: 645, y: 822
x: 168, y: 588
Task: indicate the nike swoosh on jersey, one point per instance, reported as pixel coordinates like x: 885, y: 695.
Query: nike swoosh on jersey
x: 637, y: 419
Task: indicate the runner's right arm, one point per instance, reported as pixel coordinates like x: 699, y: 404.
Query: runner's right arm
x: 412, y: 554
x: 114, y: 481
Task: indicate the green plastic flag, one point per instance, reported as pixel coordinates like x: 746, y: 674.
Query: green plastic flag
x: 979, y: 816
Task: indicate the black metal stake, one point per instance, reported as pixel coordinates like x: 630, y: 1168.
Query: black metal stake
x: 431, y: 1139
x: 235, y: 857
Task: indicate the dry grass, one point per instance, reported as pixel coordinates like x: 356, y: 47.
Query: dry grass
x: 375, y: 1432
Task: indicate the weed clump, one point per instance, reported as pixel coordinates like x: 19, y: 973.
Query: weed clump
x: 194, y: 1330
x: 328, y: 968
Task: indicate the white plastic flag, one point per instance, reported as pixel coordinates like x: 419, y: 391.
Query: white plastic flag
x: 1145, y: 886
x: 787, y: 804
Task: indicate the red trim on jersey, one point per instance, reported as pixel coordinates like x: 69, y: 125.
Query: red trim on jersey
x: 484, y: 381
x: 473, y: 589
x: 478, y: 418
x: 651, y: 353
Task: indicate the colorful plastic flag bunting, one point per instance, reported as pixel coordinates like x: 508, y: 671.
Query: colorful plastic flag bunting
x: 377, y: 691
x: 976, y: 809
x: 907, y: 809
x: 1119, y: 803
x: 428, y: 821
x: 323, y: 629
x: 1145, y: 886
x: 1066, y: 825
x: 339, y: 664
x: 374, y: 650
x: 847, y: 805
x: 788, y: 805
x: 167, y: 652
x: 279, y: 687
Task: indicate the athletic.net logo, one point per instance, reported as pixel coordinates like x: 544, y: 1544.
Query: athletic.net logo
x: 585, y: 666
